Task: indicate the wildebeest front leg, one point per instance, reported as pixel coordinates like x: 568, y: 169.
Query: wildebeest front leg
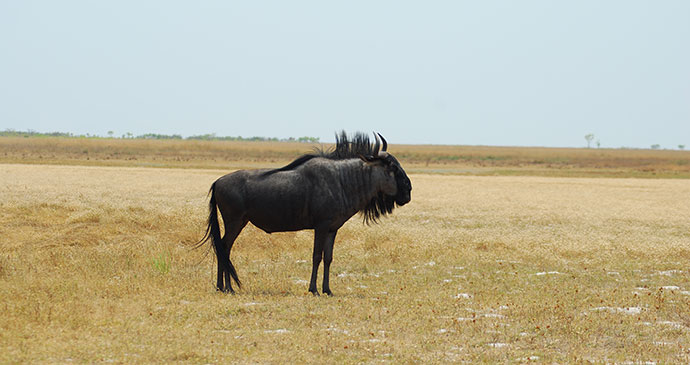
x: 327, y: 259
x: 319, y: 240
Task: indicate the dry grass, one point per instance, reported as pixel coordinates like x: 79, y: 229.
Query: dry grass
x: 464, y: 160
x: 96, y: 266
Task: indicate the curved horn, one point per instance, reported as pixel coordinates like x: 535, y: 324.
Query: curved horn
x: 375, y: 153
x: 385, y: 144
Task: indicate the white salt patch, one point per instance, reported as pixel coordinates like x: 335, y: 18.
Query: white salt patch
x: 301, y: 261
x: 685, y: 292
x: 374, y: 340
x: 279, y: 330
x: 344, y: 274
x: 493, y: 315
x: 601, y: 309
x: 253, y: 303
x: 462, y: 296
x: 662, y: 343
x: 185, y: 302
x: 669, y: 272
x: 462, y: 319
x: 628, y: 310
x: 431, y: 263
x: 300, y: 281
x: 459, y: 267
x: 497, y: 344
x: 670, y: 287
x: 613, y: 273
x: 441, y: 331
x: 677, y: 325
x: 503, y: 307
x: 547, y: 273
x: 447, y: 280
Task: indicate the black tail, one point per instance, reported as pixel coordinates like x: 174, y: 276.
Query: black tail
x: 219, y: 245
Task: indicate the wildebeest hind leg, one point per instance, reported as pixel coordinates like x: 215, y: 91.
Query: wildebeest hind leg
x: 232, y: 230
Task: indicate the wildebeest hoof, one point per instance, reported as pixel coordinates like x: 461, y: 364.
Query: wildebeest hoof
x: 314, y: 293
x: 328, y: 292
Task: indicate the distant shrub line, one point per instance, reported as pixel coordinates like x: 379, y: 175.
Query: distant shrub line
x: 201, y: 137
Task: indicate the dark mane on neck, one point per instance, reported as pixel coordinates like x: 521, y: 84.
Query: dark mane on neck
x: 345, y: 148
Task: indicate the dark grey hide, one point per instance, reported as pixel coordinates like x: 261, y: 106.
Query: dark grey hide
x: 319, y: 191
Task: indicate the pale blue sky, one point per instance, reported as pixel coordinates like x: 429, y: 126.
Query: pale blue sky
x: 539, y: 73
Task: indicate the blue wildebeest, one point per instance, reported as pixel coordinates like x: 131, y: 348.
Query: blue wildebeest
x: 318, y: 191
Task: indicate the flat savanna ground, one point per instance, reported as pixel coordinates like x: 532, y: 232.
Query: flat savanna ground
x: 97, y: 265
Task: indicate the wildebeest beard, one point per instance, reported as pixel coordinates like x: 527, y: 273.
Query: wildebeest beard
x: 379, y: 206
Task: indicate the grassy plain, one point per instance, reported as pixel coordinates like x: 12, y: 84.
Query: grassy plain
x: 462, y: 160
x: 96, y: 266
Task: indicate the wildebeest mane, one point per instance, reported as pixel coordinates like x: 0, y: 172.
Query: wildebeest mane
x: 345, y: 148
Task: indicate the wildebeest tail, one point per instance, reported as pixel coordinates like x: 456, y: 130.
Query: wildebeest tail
x: 219, y: 245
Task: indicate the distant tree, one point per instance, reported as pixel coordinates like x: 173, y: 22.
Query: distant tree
x: 656, y: 146
x: 307, y: 139
x: 110, y: 134
x: 681, y: 146
x: 589, y: 137
x: 598, y: 143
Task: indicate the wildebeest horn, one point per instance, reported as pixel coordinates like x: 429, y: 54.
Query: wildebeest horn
x: 376, y: 146
x: 385, y: 144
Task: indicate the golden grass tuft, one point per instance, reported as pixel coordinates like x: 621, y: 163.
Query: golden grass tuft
x: 96, y: 265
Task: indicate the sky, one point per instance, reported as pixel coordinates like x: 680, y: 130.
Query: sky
x: 511, y: 73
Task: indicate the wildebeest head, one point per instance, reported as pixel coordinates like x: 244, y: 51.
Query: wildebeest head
x: 396, y: 187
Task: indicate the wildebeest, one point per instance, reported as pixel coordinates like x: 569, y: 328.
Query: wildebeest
x: 318, y: 191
